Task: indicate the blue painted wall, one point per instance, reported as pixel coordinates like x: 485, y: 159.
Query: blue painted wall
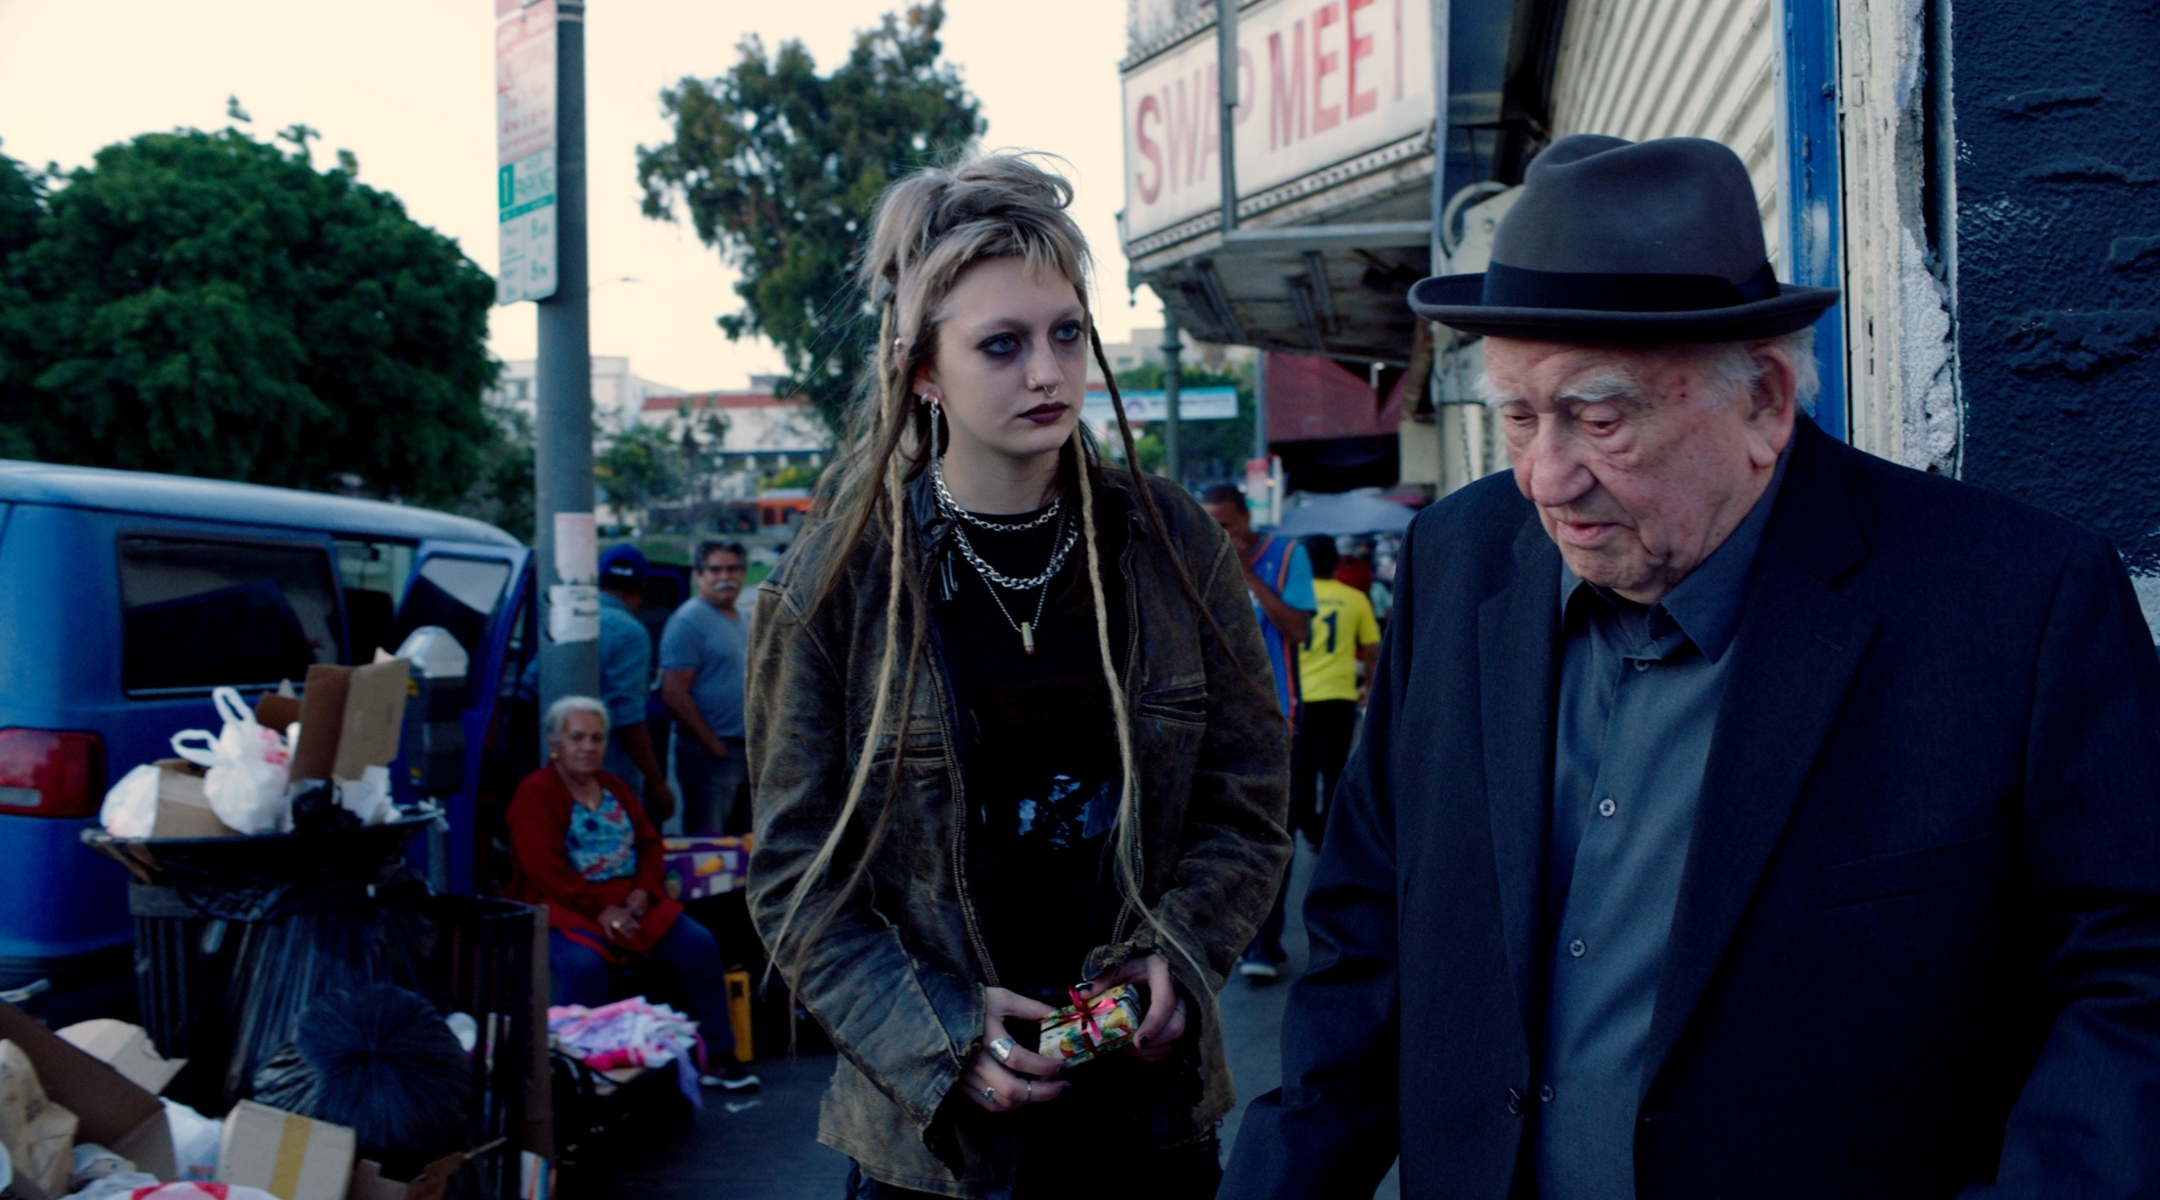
x: 2058, y: 258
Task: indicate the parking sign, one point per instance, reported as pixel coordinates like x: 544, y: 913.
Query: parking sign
x: 525, y: 149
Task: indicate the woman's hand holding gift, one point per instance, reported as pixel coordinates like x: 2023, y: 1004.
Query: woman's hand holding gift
x: 1164, y: 1024
x: 1002, y: 1075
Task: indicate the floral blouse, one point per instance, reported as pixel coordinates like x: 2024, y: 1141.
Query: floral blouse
x: 601, y: 842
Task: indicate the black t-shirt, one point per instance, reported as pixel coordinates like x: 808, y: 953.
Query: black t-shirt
x: 1040, y: 747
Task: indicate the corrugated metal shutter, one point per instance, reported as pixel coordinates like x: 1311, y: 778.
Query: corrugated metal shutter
x: 1678, y: 68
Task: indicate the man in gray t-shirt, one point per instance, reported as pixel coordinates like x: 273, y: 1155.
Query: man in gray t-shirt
x: 702, y: 652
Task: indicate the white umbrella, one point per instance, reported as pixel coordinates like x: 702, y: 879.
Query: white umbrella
x: 1345, y: 515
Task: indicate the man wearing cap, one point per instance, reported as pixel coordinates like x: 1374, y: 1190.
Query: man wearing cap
x: 1737, y: 814
x: 626, y: 679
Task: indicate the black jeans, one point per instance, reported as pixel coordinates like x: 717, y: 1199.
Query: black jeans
x: 1325, y: 730
x: 1059, y: 1170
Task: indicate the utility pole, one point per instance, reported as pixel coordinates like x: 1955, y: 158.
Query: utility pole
x: 564, y: 532
x: 1172, y: 348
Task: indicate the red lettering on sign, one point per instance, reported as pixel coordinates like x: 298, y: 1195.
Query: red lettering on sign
x: 1149, y: 151
x: 1286, y: 93
x: 1187, y: 129
x: 1360, y: 47
x: 1324, y: 64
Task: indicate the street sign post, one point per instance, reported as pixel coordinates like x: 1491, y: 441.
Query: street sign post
x: 525, y: 177
x: 540, y: 195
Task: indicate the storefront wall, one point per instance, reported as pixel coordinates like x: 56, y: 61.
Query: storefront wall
x: 1641, y: 69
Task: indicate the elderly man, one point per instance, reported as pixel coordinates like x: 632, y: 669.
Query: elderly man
x: 1737, y: 814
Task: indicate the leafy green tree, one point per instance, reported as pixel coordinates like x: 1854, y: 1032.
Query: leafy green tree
x: 503, y: 494
x: 209, y: 304
x: 800, y: 476
x: 778, y: 166
x: 700, y: 440
x: 639, y: 467
x: 22, y: 202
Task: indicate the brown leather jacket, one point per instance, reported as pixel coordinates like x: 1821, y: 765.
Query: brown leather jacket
x: 897, y: 979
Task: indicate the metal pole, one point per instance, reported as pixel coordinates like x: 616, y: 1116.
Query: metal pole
x: 1259, y: 405
x: 562, y: 403
x: 1442, y: 134
x: 1226, y: 73
x: 1172, y: 348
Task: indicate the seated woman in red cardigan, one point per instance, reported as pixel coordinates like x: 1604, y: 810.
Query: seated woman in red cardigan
x: 581, y: 845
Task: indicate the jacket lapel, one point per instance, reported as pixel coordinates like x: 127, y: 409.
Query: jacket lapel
x: 1798, y: 645
x: 1518, y: 639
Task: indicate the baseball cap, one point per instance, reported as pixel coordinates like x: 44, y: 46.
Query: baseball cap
x: 621, y: 566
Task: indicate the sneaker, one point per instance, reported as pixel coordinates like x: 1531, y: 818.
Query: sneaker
x: 1257, y: 968
x: 734, y: 1077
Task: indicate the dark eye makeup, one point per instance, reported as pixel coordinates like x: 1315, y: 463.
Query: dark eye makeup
x: 1000, y: 345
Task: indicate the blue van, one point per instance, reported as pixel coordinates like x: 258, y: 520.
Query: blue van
x: 126, y: 597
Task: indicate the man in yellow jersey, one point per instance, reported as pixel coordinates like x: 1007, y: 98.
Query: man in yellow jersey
x: 1343, y: 636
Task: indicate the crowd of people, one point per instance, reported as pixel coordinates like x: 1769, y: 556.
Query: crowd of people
x: 1722, y: 811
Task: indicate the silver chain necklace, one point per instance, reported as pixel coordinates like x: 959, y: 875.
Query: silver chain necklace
x: 953, y: 509
x: 1026, y: 629
x: 993, y: 578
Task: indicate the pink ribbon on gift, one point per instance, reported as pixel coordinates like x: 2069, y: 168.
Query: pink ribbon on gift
x: 1103, y: 1003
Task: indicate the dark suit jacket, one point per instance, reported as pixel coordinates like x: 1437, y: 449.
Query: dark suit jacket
x: 1917, y: 948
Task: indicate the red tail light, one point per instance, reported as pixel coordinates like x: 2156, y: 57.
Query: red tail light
x: 47, y: 774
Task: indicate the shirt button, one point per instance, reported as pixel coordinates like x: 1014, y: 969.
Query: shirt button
x: 1642, y: 664
x: 1606, y: 807
x: 1577, y: 949
x: 1545, y: 1093
x: 1514, y: 1102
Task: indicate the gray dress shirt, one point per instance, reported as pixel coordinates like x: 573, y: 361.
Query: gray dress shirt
x: 1638, y: 701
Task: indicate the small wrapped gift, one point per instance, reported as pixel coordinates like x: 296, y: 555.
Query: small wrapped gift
x: 1086, y: 1029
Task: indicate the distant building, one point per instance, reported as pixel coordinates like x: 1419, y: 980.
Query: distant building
x: 619, y: 395
x: 764, y: 432
x: 1145, y: 349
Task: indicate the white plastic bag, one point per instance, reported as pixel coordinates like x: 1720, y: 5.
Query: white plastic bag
x: 368, y: 797
x: 195, y: 1141
x: 194, y: 1191
x: 118, y: 1186
x: 248, y: 766
x: 130, y: 809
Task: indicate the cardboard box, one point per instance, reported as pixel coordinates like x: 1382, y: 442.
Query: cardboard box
x: 433, y: 1181
x: 350, y: 719
x: 701, y: 866
x: 125, y: 1048
x: 183, y: 811
x: 288, y: 1156
x: 110, y: 1110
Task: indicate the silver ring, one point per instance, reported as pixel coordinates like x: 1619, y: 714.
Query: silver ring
x: 1031, y: 1093
x: 1002, y: 1049
x: 990, y: 1095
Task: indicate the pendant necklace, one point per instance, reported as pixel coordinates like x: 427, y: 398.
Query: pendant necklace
x: 992, y: 578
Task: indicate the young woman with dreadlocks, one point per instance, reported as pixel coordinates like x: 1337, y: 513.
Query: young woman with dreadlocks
x: 1009, y: 728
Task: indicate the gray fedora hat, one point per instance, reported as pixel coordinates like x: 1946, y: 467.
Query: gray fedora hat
x: 1617, y: 242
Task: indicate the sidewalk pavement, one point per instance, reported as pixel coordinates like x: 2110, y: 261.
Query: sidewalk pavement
x: 765, y: 1145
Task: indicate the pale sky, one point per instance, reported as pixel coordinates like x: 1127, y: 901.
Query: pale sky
x: 408, y: 87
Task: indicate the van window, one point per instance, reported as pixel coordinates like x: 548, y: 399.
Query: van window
x: 459, y: 594
x: 373, y: 574
x: 201, y: 613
